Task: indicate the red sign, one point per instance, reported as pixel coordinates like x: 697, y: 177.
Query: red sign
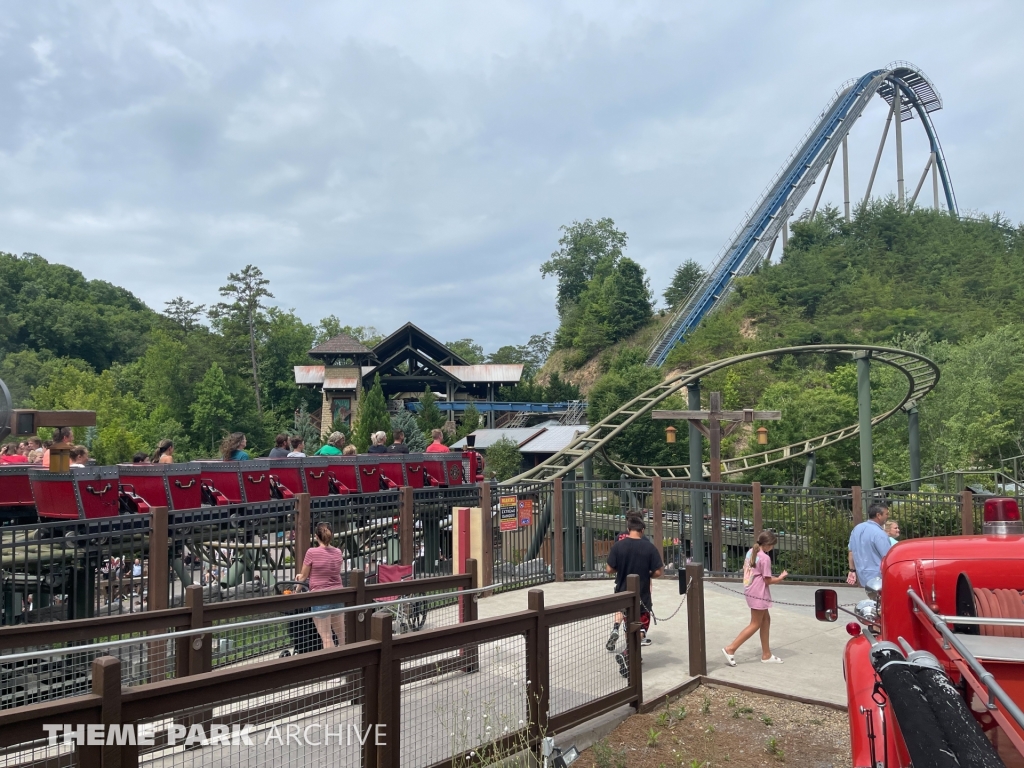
x: 525, y: 513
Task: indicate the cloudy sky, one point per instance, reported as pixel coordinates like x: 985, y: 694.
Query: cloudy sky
x: 387, y: 162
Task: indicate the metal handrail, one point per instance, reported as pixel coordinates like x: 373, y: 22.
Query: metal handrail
x: 378, y: 603
x: 984, y: 620
x: 986, y: 677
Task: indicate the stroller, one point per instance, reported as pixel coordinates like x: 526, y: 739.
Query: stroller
x: 301, y: 630
x: 409, y: 616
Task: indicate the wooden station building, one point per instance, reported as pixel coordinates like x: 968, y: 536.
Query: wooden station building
x: 408, y: 362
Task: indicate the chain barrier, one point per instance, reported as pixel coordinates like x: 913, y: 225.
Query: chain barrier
x: 673, y: 614
x: 774, y: 601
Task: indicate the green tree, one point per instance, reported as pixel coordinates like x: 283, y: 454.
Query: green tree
x: 331, y: 326
x: 184, y: 313
x: 212, y: 408
x: 530, y: 355
x: 429, y: 416
x: 304, y: 428
x: 503, y: 459
x: 405, y: 420
x: 582, y: 247
x: 372, y: 417
x: 470, y: 421
x: 247, y: 290
x: 285, y: 343
x: 468, y: 350
x: 687, y: 276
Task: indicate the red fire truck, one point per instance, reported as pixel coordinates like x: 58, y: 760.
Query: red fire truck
x: 935, y: 667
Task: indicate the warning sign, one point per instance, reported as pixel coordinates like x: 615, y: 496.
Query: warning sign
x: 508, y: 513
x: 525, y: 513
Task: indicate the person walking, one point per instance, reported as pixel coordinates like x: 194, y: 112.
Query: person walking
x: 334, y: 446
x: 633, y: 555
x: 233, y: 448
x: 280, y: 449
x: 869, y: 543
x: 438, y: 445
x: 378, y: 438
x: 322, y: 566
x: 298, y: 450
x: 757, y: 578
x: 398, y: 446
x: 164, y: 453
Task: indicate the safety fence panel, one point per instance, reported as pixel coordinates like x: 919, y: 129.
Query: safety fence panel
x: 583, y: 667
x: 522, y: 542
x: 813, y: 527
x: 365, y: 528
x: 233, y: 552
x: 925, y: 514
x: 481, y: 688
x: 432, y: 514
x: 73, y: 569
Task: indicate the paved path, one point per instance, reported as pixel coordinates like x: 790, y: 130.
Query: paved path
x: 812, y: 651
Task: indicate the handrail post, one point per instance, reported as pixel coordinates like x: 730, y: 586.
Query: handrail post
x: 354, y: 628
x: 537, y: 668
x: 199, y: 648
x: 695, y: 619
x: 755, y: 493
x: 659, y: 518
x: 557, y: 529
x: 106, y: 683
x: 389, y: 693
x: 302, y: 529
x: 159, y: 567
x: 407, y: 526
x: 486, y: 572
x: 967, y: 512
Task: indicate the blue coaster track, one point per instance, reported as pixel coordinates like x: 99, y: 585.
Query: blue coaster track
x: 762, y: 224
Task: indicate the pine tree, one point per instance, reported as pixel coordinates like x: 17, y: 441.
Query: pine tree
x: 470, y: 421
x: 503, y: 459
x: 304, y: 428
x: 212, y: 407
x: 429, y: 417
x: 405, y: 420
x: 687, y: 275
x: 373, y: 417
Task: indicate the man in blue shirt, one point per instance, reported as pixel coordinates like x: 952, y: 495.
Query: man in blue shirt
x: 868, y: 544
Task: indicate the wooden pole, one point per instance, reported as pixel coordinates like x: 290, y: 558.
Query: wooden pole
x: 695, y: 619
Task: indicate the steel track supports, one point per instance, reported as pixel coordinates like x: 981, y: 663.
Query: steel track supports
x: 924, y: 175
x: 696, y: 475
x: 867, y: 463
x: 846, y: 179
x: 878, y: 156
x: 914, y: 436
x: 897, y: 105
x: 821, y: 189
x: 935, y: 180
x: 809, y: 470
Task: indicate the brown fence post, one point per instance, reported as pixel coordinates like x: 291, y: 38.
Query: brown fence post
x: 633, y: 641
x: 302, y: 528
x: 967, y: 512
x: 468, y: 610
x: 537, y: 668
x: 755, y: 492
x: 199, y: 647
x: 389, y: 692
x: 858, y: 505
x: 407, y: 525
x: 557, y: 528
x: 159, y: 568
x: 695, y: 619
x: 106, y: 682
x: 355, y: 630
x: 659, y: 521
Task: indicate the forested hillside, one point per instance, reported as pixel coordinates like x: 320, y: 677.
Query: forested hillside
x: 950, y: 289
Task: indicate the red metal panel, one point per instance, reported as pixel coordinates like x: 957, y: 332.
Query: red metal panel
x: 55, y: 496
x: 316, y: 475
x: 98, y: 493
x: 288, y: 473
x: 454, y: 470
x: 255, y: 478
x: 344, y: 469
x: 393, y: 469
x: 369, y: 476
x: 223, y: 475
x: 414, y: 469
x: 16, y: 487
x: 433, y: 464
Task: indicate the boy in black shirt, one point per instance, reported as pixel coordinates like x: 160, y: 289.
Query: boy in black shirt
x: 633, y: 554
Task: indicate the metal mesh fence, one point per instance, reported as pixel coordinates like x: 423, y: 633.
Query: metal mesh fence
x: 234, y: 552
x: 926, y: 514
x: 365, y: 527
x: 38, y: 754
x: 72, y: 569
x: 433, y: 525
x: 314, y: 723
x: 523, y: 553
x: 582, y: 669
x: 462, y: 700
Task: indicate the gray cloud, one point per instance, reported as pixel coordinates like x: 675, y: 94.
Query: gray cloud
x: 414, y: 161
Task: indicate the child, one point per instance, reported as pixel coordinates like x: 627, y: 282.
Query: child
x: 757, y: 577
x: 633, y: 554
x: 892, y: 528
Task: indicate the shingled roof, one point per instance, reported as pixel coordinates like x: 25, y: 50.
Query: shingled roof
x: 342, y: 344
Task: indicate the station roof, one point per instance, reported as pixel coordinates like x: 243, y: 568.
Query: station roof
x: 493, y: 373
x: 342, y: 344
x: 537, y: 439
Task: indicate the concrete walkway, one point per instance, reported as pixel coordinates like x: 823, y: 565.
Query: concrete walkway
x: 812, y: 651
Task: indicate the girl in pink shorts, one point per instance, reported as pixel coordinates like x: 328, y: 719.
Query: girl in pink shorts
x: 757, y: 577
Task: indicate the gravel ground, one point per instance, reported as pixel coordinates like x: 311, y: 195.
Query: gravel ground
x: 719, y: 726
